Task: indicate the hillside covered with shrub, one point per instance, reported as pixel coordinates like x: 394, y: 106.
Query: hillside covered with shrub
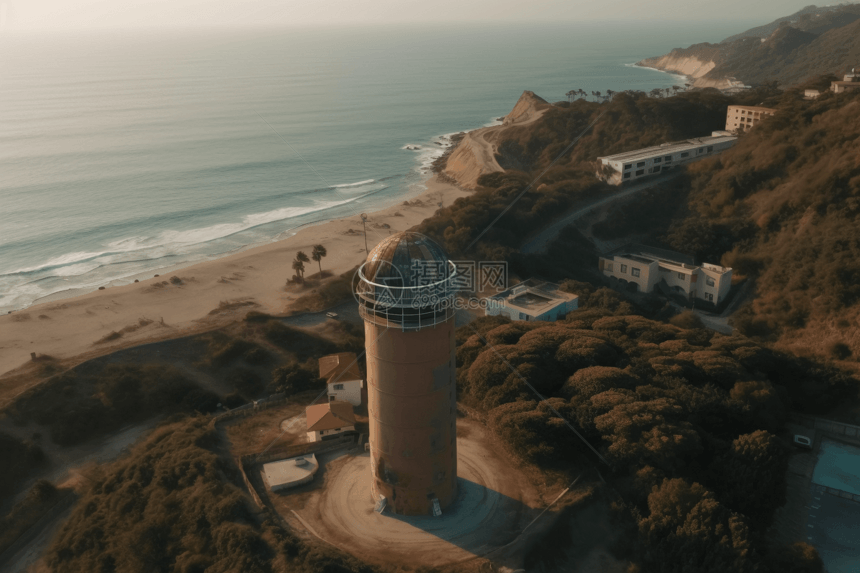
x: 629, y: 121
x: 782, y: 207
x: 686, y: 420
x: 811, y: 18
x: 789, y: 50
x: 173, y: 504
x: 791, y: 55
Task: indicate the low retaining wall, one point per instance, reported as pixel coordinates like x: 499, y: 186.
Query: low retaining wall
x: 836, y: 428
x: 836, y: 492
x: 292, y: 451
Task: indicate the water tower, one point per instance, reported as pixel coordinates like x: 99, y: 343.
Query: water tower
x: 405, y: 293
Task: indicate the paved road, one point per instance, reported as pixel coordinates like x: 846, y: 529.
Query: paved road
x: 540, y: 242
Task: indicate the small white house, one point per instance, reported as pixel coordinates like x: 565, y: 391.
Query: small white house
x: 343, y: 378
x: 329, y: 419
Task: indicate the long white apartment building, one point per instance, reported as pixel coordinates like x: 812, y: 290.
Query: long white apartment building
x: 633, y: 165
x: 649, y: 268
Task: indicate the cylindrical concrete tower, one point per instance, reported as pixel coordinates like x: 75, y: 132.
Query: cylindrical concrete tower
x: 405, y: 293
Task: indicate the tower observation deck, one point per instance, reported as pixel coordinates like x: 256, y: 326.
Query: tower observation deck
x: 405, y: 294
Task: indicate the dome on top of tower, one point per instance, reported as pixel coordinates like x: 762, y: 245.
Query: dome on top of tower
x: 411, y: 257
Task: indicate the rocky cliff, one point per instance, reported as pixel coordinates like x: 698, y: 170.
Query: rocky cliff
x: 697, y: 62
x: 692, y: 65
x: 475, y: 155
x: 526, y: 109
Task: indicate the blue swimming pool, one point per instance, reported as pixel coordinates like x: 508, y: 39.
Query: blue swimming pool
x: 838, y: 466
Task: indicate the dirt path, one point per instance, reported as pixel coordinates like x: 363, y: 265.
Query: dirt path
x: 485, y: 148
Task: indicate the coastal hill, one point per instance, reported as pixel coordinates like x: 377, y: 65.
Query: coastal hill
x: 817, y: 19
x: 789, y: 50
x: 475, y: 155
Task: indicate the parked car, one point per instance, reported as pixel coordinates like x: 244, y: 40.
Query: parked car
x: 331, y: 314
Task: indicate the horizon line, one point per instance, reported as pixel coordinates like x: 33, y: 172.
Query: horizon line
x: 8, y: 29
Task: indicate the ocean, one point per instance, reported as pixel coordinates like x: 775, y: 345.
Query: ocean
x: 127, y: 153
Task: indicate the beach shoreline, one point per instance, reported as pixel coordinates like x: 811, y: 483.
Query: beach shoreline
x: 77, y: 324
x: 68, y: 325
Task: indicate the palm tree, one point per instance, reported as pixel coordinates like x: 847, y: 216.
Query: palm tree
x: 667, y: 90
x: 597, y: 95
x: 676, y: 89
x: 582, y: 93
x: 318, y: 253
x: 301, y: 257
x: 656, y: 92
x: 299, y: 267
x: 609, y: 94
x: 570, y: 95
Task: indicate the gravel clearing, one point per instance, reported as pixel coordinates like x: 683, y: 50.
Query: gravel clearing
x: 495, y: 502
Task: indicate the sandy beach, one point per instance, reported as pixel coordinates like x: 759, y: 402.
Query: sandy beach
x: 72, y: 327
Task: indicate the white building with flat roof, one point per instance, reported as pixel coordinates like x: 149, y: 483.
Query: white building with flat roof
x: 633, y: 165
x: 648, y: 268
x: 532, y: 300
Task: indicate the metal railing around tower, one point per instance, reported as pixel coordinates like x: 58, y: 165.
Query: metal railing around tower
x: 389, y: 303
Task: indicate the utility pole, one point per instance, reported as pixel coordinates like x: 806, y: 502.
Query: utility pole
x: 364, y: 226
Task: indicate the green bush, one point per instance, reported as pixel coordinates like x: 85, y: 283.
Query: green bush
x: 687, y: 319
x: 294, y: 378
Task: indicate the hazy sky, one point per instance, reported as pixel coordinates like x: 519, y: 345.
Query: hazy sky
x: 84, y: 14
